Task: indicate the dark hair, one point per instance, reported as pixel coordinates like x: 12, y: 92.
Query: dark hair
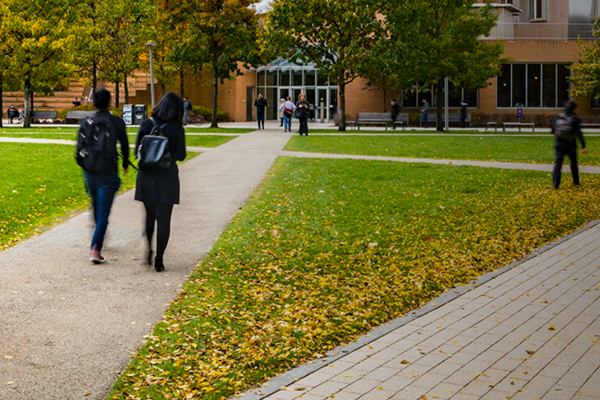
x: 169, y: 108
x: 394, y: 100
x: 289, y: 98
x: 571, y: 105
x: 102, y: 99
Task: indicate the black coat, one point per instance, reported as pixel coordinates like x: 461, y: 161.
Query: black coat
x: 260, y: 105
x: 570, y: 146
x: 161, y: 186
x: 303, y: 111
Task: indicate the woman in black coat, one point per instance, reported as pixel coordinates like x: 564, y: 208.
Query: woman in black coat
x: 159, y: 189
x: 302, y: 113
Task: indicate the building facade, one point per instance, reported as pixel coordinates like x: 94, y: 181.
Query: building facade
x: 540, y: 38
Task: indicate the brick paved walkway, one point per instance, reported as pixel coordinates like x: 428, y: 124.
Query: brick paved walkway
x: 530, y: 333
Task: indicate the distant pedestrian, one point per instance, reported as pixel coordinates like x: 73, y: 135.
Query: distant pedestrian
x: 281, y: 101
x: 287, y: 108
x: 566, y: 128
x: 76, y: 102
x: 187, y: 107
x: 12, y: 112
x: 97, y: 154
x: 159, y: 189
x: 425, y: 113
x: 463, y: 114
x: 260, y: 103
x: 302, y: 113
x: 395, y: 111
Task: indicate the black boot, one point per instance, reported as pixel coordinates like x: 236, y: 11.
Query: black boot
x: 158, y: 265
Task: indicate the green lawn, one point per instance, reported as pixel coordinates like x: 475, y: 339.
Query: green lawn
x: 130, y: 129
x: 191, y: 139
x: 327, y: 249
x: 415, y: 130
x: 41, y: 184
x: 536, y: 149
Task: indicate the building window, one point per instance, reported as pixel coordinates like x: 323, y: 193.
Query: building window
x: 414, y: 95
x: 536, y: 9
x: 532, y: 85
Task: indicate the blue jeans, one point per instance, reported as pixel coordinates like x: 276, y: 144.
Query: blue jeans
x: 102, y: 189
x: 425, y: 119
x: 287, y: 122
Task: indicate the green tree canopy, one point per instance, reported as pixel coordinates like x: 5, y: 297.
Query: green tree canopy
x: 36, y: 35
x: 338, y: 36
x: 215, y: 36
x: 586, y: 72
x: 429, y: 40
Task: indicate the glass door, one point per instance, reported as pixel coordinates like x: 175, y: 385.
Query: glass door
x: 322, y: 98
x: 311, y: 97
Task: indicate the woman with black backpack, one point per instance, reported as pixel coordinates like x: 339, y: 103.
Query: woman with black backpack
x: 158, y: 187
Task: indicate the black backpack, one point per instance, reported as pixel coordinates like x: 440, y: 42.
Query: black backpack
x: 563, y: 128
x: 153, y: 153
x: 96, y: 145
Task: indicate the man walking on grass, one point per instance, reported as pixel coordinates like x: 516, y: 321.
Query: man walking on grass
x: 97, y: 155
x: 566, y: 128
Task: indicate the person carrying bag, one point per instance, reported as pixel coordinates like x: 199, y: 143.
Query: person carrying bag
x: 160, y: 143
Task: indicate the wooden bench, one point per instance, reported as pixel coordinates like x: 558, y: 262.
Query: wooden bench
x: 590, y: 125
x: 382, y: 119
x: 489, y: 124
x: 79, y: 115
x: 452, y: 117
x: 519, y: 125
x: 42, y: 115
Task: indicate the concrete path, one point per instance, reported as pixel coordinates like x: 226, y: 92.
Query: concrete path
x: 533, y: 332
x: 484, y: 164
x: 69, y: 327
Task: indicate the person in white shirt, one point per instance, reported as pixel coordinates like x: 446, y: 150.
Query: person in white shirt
x: 287, y: 109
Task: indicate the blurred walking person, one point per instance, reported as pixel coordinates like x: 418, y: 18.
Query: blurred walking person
x: 566, y: 128
x: 158, y: 189
x: 97, y: 155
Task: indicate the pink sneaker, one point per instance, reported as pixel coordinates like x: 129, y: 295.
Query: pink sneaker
x: 96, y: 257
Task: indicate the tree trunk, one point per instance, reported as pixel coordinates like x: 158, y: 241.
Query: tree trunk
x: 117, y: 95
x: 31, y: 100
x: 94, y: 79
x: 126, y: 89
x: 162, y: 90
x: 1, y: 105
x: 27, y: 106
x: 181, y: 83
x: 342, y: 108
x: 440, y: 98
x: 213, y: 123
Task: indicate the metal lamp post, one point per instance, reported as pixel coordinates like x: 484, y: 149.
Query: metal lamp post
x: 150, y: 45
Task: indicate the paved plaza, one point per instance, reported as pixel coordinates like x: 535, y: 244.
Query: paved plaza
x: 69, y: 328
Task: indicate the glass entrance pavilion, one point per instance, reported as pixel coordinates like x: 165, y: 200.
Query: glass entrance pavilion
x: 281, y: 79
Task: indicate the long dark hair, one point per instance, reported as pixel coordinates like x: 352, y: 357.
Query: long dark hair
x: 169, y: 108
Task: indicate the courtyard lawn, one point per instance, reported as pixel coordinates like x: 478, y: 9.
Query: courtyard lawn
x: 327, y: 249
x: 419, y: 131
x: 41, y: 185
x: 191, y: 139
x: 535, y: 149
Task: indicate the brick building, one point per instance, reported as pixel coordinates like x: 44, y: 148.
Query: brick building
x: 539, y: 35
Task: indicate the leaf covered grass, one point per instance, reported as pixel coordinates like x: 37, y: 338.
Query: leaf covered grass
x: 535, y: 149
x: 326, y: 250
x: 41, y: 185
